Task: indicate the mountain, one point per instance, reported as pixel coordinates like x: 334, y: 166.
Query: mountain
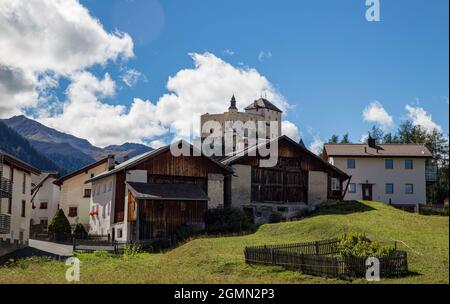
x: 68, y: 151
x: 13, y: 143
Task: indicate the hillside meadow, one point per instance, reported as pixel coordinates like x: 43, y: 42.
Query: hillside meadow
x: 221, y: 259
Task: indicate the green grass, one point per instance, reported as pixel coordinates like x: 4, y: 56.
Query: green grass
x: 220, y: 260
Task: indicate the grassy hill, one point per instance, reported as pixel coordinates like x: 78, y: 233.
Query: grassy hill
x: 220, y: 260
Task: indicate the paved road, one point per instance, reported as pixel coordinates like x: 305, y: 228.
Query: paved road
x: 51, y: 248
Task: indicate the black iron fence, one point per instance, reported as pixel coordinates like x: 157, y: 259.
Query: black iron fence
x: 321, y: 259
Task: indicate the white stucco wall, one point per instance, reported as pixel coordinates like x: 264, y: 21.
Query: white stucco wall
x: 20, y: 226
x: 215, y: 190
x: 241, y: 188
x: 49, y: 193
x: 102, y: 202
x: 372, y: 170
x: 72, y: 195
x: 317, y: 187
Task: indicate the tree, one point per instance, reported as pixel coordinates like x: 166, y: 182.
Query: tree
x: 334, y: 139
x: 388, y: 138
x: 377, y: 134
x: 405, y: 132
x: 59, y: 225
x: 345, y: 139
x: 80, y: 231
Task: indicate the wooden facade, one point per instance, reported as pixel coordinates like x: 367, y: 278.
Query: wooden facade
x: 161, y: 218
x: 287, y: 182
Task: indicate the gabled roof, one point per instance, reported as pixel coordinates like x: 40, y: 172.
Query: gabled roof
x: 12, y: 160
x: 185, y: 192
x: 232, y: 159
x: 383, y: 150
x: 145, y: 156
x: 43, y: 177
x: 262, y: 103
x: 61, y: 180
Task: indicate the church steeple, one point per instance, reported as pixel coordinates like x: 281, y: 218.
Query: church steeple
x: 232, y: 104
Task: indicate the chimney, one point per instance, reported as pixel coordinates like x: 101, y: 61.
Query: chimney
x: 372, y: 142
x: 111, y: 162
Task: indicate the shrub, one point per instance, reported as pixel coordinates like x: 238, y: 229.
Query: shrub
x: 275, y: 217
x: 356, y: 244
x: 183, y: 232
x: 227, y: 220
x: 80, y: 231
x: 59, y: 225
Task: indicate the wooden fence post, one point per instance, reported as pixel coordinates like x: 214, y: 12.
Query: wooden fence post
x: 317, y: 247
x: 74, y: 244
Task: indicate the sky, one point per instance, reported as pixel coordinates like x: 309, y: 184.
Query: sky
x: 144, y: 70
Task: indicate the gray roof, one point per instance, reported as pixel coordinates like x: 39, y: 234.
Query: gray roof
x: 383, y: 150
x: 142, y: 157
x: 231, y: 159
x: 262, y: 103
x: 167, y: 191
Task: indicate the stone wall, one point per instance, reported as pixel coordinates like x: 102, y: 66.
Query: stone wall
x: 215, y: 190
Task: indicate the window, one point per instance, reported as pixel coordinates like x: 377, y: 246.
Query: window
x: 24, y: 183
x: 119, y: 233
x: 335, y: 184
x: 43, y: 205
x: 104, y: 187
x: 87, y: 192
x: 44, y: 222
x: 389, y: 164
x: 73, y: 211
x: 408, y: 164
x: 409, y: 189
x: 24, y: 205
x: 351, y: 188
x: 92, y: 175
x: 389, y: 188
x: 351, y: 164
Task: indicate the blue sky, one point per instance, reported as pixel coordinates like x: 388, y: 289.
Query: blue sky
x: 322, y: 56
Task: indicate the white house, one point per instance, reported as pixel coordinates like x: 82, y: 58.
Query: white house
x: 390, y: 173
x: 15, y: 197
x: 44, y: 198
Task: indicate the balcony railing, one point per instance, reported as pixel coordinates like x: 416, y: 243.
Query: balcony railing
x: 5, y: 223
x: 5, y: 187
x: 431, y: 173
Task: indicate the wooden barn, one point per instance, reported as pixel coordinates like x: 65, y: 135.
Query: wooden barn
x: 155, y: 193
x: 298, y: 180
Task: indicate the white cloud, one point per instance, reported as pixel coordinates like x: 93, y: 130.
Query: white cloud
x: 376, y: 113
x: 363, y: 138
x: 157, y: 143
x: 262, y: 56
x: 291, y: 130
x: 419, y: 116
x: 316, y: 146
x: 207, y: 88
x: 85, y: 115
x: 131, y: 76
x: 228, y: 52
x: 46, y: 36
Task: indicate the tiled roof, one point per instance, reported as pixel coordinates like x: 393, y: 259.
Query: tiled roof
x: 167, y: 191
x: 262, y: 103
x: 383, y: 150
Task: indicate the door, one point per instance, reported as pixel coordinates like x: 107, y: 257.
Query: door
x: 367, y: 192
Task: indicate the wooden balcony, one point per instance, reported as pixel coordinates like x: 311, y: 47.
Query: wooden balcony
x: 431, y: 174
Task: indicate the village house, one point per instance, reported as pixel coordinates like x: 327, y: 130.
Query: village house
x: 149, y: 196
x: 15, y: 196
x: 75, y: 196
x: 390, y: 173
x: 299, y: 180
x: 44, y: 198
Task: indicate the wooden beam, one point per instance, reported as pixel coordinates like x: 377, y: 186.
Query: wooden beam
x: 346, y: 188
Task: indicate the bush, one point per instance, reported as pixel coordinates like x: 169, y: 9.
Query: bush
x: 227, y: 220
x: 59, y: 225
x: 356, y: 244
x: 275, y: 217
x: 80, y: 231
x: 183, y: 232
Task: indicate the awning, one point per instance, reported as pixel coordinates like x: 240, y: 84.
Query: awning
x: 182, y: 192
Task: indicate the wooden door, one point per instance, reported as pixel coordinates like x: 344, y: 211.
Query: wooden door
x: 367, y: 192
